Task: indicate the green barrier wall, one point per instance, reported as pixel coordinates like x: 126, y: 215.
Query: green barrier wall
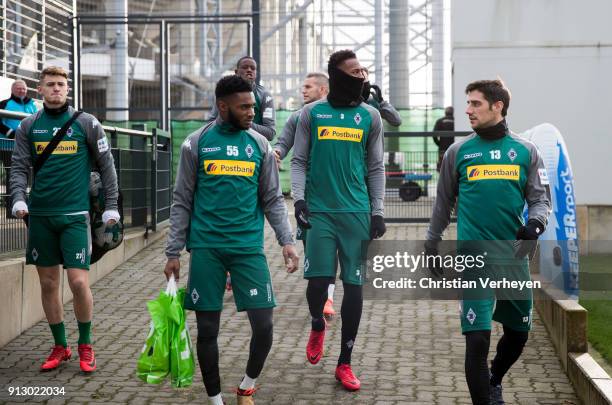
x: 412, y: 120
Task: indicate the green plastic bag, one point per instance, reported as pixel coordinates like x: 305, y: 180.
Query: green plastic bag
x: 182, y: 362
x: 154, y: 361
x: 168, y: 346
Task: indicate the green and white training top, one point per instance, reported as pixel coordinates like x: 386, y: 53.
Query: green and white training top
x: 62, y: 184
x: 490, y: 180
x: 337, y: 163
x: 226, y: 181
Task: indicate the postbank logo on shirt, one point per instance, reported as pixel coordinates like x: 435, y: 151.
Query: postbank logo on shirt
x: 229, y: 168
x: 493, y: 172
x: 62, y: 148
x: 340, y: 134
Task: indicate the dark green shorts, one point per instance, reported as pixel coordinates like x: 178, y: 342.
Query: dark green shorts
x: 337, y: 237
x: 251, y: 283
x: 58, y: 239
x: 510, y: 307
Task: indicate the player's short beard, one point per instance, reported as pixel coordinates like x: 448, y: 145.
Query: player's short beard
x: 234, y: 121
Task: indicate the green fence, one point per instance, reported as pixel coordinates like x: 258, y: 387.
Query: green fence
x: 412, y: 120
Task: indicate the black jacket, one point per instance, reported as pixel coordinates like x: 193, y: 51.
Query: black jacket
x: 446, y: 123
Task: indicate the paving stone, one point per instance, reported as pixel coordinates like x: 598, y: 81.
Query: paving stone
x: 406, y: 352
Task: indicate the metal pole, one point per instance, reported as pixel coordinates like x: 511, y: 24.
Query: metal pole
x: 163, y: 75
x: 256, y: 35
x: 250, y: 37
x: 117, y: 89
x: 73, y: 73
x: 154, y: 180
x: 43, y: 35
x: 378, y: 41
x: 321, y: 63
x: 437, y: 53
x: 399, y: 72
x: 303, y: 41
x: 3, y: 46
x: 78, y: 91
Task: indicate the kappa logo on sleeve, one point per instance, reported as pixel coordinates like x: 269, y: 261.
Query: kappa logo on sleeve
x: 543, y: 174
x: 102, y: 145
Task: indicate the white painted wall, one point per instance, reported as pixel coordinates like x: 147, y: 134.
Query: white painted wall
x: 555, y: 56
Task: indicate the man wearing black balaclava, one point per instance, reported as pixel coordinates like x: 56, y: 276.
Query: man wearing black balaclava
x: 338, y: 164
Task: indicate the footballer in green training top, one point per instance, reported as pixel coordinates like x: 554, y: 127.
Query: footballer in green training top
x: 338, y: 183
x: 314, y: 87
x: 58, y: 207
x: 264, y: 121
x: 227, y: 181
x: 491, y: 175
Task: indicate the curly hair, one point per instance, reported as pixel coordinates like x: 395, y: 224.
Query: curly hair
x: 336, y: 58
x: 231, y: 84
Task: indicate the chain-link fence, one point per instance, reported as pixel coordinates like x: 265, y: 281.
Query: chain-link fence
x: 411, y: 171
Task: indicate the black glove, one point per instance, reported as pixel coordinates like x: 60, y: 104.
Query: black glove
x: 526, y: 239
x: 431, y: 249
x: 377, y: 227
x: 302, y: 214
x: 377, y: 93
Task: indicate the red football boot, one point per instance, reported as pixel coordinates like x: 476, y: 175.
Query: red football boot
x: 58, y: 354
x: 345, y: 375
x: 314, y: 348
x: 87, y: 358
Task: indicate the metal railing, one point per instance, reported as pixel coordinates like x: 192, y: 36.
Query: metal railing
x: 143, y: 161
x: 411, y: 175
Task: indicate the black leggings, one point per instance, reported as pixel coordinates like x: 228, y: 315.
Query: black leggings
x: 477, y: 344
x: 509, y: 349
x: 352, y: 305
x: 476, y: 369
x: 208, y: 350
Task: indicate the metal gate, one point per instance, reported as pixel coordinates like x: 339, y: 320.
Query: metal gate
x: 152, y: 69
x: 411, y: 175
